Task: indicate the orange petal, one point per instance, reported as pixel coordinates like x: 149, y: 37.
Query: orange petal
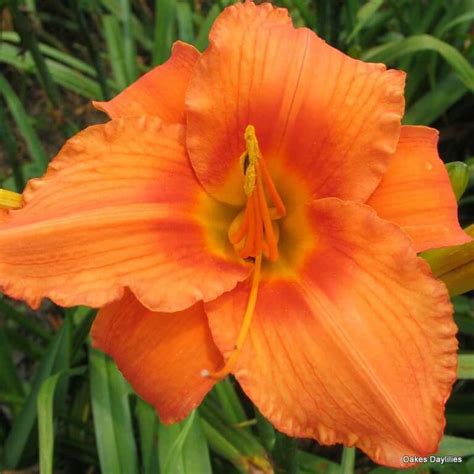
x: 117, y: 208
x: 160, y: 354
x: 333, y: 120
x: 416, y: 193
x: 160, y: 92
x: 358, y: 348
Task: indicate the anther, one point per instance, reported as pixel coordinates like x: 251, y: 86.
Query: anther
x: 10, y: 200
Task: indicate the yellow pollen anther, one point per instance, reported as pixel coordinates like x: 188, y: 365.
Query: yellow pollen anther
x: 249, y: 159
x: 9, y: 199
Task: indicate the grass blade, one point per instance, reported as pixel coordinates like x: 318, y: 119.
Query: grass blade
x: 91, y: 49
x: 458, y: 173
x: 455, y: 446
x: 348, y: 460
x: 466, y: 366
x: 310, y: 463
x: 184, y: 17
x: 363, y: 16
x: 388, y: 53
x: 7, y: 137
x: 148, y: 430
x: 164, y: 11
x: 9, y: 380
x: 436, y: 102
x: 129, y: 50
x: 112, y: 418
x: 26, y: 31
x: 55, y: 359
x: 183, y: 447
x: 37, y: 153
x: 467, y: 17
x: 45, y: 407
x: 115, y: 50
x: 45, y: 423
x: 202, y: 37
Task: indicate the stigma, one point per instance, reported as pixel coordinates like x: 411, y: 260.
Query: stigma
x: 255, y: 231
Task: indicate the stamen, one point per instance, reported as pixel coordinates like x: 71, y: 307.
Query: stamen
x: 256, y: 227
x: 250, y: 240
x: 272, y: 245
x: 272, y: 192
x: 9, y: 199
x: 253, y: 234
x: 238, y: 236
x: 244, y: 328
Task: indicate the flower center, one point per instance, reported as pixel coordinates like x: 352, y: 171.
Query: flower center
x: 253, y: 233
x: 255, y: 230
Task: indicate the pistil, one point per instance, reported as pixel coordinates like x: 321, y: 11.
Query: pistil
x: 244, y: 328
x: 254, y: 234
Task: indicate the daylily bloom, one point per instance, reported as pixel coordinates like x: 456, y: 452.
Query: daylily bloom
x: 257, y: 210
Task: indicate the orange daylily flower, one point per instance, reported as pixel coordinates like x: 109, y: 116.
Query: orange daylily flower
x: 256, y: 210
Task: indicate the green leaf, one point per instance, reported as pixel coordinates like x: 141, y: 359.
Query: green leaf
x: 27, y: 323
x: 45, y: 406
x: 184, y: 17
x: 431, y: 106
x: 454, y: 265
x: 266, y: 432
x: 114, y: 43
x: 466, y: 366
x: 247, y: 445
x: 232, y: 409
x: 129, y: 51
x: 467, y: 17
x: 389, y: 52
x: 454, y: 446
x: 285, y: 453
x: 54, y: 360
x: 183, y: 447
x: 63, y: 75
x: 10, y: 147
x: 310, y: 463
x: 202, y: 37
x: 164, y: 11
x: 363, y: 16
x: 112, y: 419
x: 138, y: 29
x: 50, y: 52
x: 219, y: 444
x: 459, y: 175
x: 45, y: 422
x: 9, y: 380
x: 148, y: 430
x: 22, y: 119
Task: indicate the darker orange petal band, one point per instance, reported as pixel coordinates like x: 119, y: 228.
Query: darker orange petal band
x: 114, y: 211
x: 161, y: 354
x: 357, y: 346
x: 329, y: 119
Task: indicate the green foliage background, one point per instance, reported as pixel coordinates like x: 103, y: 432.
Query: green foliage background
x: 64, y: 407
